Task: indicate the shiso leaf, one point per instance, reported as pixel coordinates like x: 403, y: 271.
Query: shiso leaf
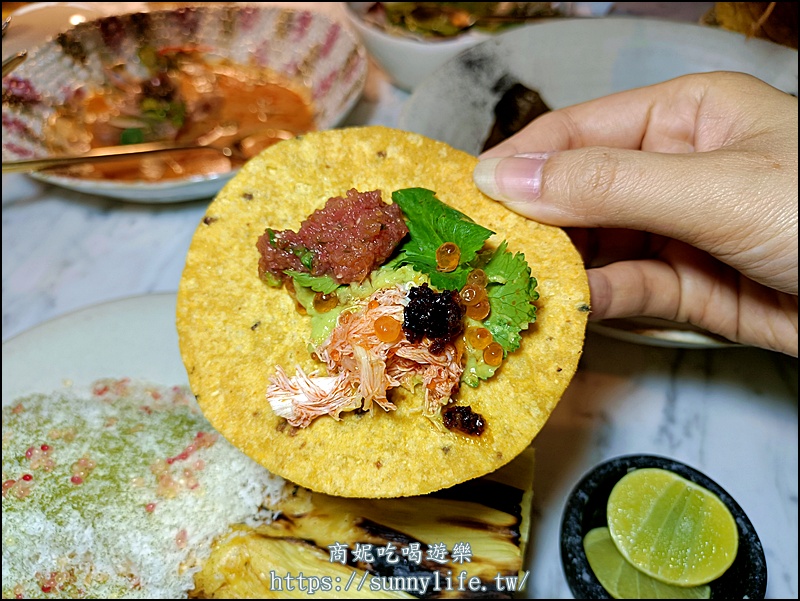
x: 431, y: 223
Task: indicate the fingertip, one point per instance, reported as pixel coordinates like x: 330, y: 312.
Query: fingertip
x: 515, y: 179
x: 600, y: 291
x: 484, y: 177
x: 642, y: 288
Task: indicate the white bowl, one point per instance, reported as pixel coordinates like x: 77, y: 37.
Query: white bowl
x: 407, y: 60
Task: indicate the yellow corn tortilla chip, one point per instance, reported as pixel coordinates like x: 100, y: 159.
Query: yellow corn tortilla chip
x: 234, y: 329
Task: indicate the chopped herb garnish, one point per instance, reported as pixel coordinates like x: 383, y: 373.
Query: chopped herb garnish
x: 132, y: 135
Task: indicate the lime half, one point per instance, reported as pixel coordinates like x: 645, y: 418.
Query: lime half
x: 670, y: 528
x: 622, y: 580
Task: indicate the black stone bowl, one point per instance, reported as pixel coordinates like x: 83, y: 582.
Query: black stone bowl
x: 586, y: 509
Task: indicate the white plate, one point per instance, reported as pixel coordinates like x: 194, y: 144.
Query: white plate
x: 573, y: 60
x: 133, y: 337
x: 156, y: 193
x: 658, y: 332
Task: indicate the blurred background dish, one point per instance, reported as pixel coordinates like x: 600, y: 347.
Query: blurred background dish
x: 456, y: 104
x: 410, y: 40
x: 35, y: 22
x: 180, y: 75
x: 494, y: 88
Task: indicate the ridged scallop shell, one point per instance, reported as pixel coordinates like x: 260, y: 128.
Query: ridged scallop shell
x: 295, y: 43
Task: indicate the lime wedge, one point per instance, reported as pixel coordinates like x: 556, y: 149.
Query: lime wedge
x: 622, y: 580
x: 670, y: 528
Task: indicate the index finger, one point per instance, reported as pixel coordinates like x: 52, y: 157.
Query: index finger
x: 657, y: 118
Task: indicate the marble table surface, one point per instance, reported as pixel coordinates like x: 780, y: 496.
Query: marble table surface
x: 729, y: 412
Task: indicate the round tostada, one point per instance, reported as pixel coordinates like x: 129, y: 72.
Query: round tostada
x: 356, y: 316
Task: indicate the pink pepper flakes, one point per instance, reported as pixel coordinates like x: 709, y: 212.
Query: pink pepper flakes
x: 19, y: 488
x: 27, y: 477
x: 39, y: 457
x: 181, y: 539
x: 122, y: 386
x: 150, y: 507
x: 8, y: 485
x: 81, y: 469
x: 100, y: 390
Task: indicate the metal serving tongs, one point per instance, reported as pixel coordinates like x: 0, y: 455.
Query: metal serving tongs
x: 242, y: 148
x: 12, y: 62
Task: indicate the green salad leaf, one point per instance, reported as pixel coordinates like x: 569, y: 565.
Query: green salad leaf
x: 431, y: 223
x: 318, y: 283
x: 511, y: 291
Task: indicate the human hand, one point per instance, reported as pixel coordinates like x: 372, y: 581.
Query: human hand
x: 691, y: 185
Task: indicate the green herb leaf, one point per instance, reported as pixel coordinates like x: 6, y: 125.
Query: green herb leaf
x: 132, y: 135
x: 177, y: 113
x: 431, y: 223
x: 511, y: 291
x: 318, y: 283
x: 271, y: 280
x: 301, y: 252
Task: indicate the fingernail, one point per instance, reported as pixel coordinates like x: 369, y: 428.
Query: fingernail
x: 515, y: 179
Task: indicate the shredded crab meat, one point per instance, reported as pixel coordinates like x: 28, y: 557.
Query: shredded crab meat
x: 363, y: 368
x: 304, y: 397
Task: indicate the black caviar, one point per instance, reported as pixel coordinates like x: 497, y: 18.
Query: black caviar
x: 463, y: 419
x: 437, y: 315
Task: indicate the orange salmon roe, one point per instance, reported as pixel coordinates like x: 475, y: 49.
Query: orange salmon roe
x: 472, y: 294
x: 448, y: 256
x: 479, y: 338
x: 387, y: 328
x: 325, y: 302
x: 478, y: 277
x: 479, y: 310
x: 493, y: 354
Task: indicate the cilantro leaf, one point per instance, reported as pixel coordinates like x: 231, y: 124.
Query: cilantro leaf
x: 431, y: 223
x: 318, y: 283
x: 511, y: 291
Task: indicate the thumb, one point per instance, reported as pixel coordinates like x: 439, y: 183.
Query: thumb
x: 605, y: 187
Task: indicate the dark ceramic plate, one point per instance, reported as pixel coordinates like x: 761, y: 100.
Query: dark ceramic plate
x: 586, y: 509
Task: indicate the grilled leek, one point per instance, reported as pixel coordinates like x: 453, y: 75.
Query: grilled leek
x: 466, y: 541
